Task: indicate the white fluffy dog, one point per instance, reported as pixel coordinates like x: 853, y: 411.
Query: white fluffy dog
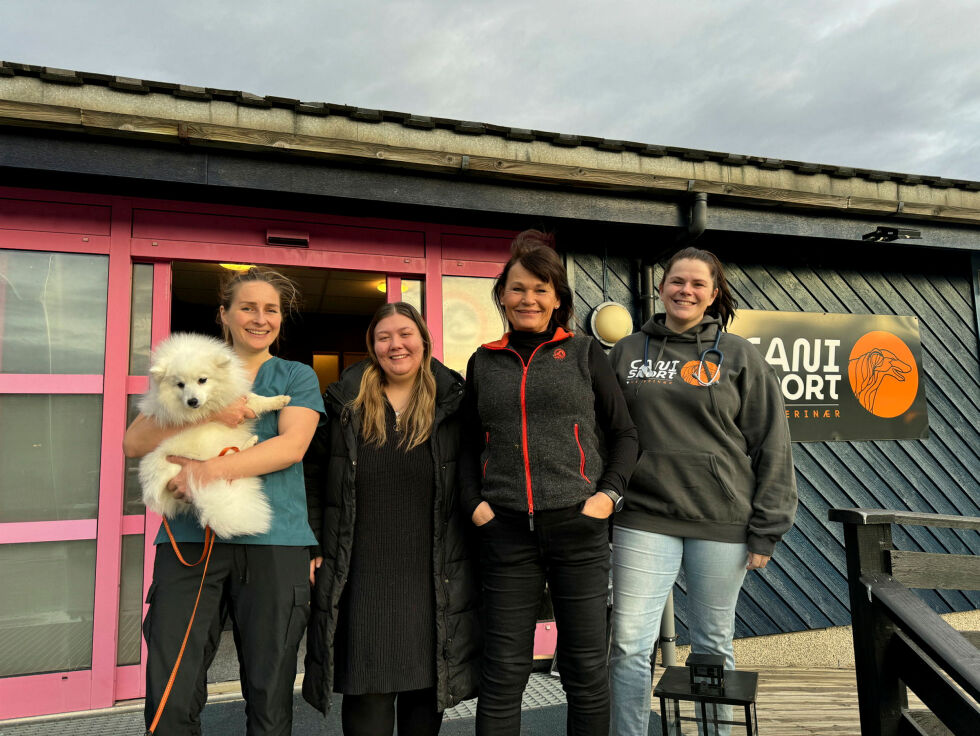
x: 191, y: 378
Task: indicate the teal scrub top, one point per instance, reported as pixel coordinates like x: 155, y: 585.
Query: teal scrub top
x: 285, y: 488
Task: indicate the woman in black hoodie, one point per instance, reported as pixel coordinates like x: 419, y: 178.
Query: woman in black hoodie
x: 714, y: 488
x: 394, y: 623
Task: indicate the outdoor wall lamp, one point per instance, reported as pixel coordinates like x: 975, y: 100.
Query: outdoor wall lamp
x: 885, y: 234
x: 610, y: 322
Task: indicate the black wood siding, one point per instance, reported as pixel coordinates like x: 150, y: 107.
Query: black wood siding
x: 804, y: 587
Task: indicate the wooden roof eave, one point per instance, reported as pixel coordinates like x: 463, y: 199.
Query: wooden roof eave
x: 95, y: 122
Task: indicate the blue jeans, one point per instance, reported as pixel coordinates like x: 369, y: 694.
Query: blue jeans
x: 645, y: 566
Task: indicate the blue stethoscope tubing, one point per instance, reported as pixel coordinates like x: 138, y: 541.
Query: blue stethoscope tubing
x: 713, y: 350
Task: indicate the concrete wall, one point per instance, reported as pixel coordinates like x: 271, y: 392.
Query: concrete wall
x: 831, y: 647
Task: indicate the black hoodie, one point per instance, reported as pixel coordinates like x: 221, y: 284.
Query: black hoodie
x: 715, y: 461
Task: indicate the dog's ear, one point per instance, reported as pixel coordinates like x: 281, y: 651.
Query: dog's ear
x: 223, y: 361
x: 157, y: 372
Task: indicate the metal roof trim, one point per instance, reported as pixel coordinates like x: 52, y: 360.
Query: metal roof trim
x: 463, y: 127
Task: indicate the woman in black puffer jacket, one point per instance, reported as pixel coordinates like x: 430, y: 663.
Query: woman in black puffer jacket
x: 395, y: 619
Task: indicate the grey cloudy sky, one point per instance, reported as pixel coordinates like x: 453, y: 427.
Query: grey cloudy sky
x: 882, y: 84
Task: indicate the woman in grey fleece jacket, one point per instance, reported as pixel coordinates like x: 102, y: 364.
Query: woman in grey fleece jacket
x: 540, y: 492
x: 714, y: 488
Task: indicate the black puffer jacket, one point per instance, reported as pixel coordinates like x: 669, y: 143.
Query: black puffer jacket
x: 330, y: 465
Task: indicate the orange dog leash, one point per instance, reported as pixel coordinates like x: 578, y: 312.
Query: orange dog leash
x: 205, y: 558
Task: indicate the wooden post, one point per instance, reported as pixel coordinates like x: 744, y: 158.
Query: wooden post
x: 881, y: 695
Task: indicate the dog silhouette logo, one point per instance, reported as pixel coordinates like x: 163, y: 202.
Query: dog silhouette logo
x: 708, y: 372
x: 883, y: 374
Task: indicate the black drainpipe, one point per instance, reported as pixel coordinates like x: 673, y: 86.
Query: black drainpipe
x: 647, y: 292
x: 699, y: 220
x: 693, y: 231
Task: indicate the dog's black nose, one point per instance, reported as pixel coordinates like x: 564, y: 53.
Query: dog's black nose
x: 192, y: 402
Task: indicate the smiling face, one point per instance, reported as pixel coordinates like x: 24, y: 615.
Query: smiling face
x: 254, y: 318
x: 399, y: 347
x: 686, y: 292
x: 528, y: 301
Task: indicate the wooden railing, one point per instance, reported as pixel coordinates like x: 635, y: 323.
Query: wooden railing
x: 899, y: 641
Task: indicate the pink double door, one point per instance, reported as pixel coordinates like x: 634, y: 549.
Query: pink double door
x: 87, y: 285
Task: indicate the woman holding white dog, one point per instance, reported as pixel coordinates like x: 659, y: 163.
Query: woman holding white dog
x: 395, y: 625
x: 262, y: 580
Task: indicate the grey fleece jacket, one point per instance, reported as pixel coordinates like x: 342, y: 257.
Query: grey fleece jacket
x: 541, y: 447
x: 715, y: 462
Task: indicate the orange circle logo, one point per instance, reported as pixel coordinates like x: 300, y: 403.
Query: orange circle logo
x: 883, y: 374
x: 559, y: 354
x: 689, y: 372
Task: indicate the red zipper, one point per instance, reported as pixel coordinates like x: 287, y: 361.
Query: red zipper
x: 581, y: 453
x: 527, y: 459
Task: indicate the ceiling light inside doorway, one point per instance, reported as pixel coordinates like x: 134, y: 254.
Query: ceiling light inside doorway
x: 236, y: 266
x: 382, y: 286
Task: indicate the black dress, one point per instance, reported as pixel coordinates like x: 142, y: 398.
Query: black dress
x: 385, y: 640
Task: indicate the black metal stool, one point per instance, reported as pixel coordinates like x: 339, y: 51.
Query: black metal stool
x: 699, y: 685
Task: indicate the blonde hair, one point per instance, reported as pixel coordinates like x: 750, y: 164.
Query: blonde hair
x: 417, y: 417
x: 289, y: 297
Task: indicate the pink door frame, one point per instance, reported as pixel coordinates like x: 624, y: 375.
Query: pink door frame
x: 131, y: 230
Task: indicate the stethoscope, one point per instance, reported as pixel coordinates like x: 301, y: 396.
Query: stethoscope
x: 702, y: 369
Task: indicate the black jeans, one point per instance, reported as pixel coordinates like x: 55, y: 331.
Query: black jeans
x: 266, y: 590
x: 374, y: 714
x: 571, y: 552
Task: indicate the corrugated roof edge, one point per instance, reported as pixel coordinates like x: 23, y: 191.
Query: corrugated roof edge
x: 465, y: 127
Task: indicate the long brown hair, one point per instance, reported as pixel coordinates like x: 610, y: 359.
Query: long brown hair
x: 535, y: 251
x: 416, y: 420
x: 724, y: 305
x: 289, y: 298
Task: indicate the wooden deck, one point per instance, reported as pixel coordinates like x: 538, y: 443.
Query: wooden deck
x: 811, y: 702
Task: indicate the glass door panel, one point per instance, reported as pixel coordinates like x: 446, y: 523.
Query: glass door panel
x: 469, y: 318
x: 413, y: 294
x: 141, y: 319
x: 46, y: 610
x: 49, y: 456
x: 53, y: 309
x: 52, y: 312
x: 132, y: 493
x: 130, y: 601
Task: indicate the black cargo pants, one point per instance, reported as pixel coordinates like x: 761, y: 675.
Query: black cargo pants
x: 266, y: 590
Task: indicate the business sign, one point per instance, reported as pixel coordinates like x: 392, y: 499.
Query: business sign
x: 843, y: 376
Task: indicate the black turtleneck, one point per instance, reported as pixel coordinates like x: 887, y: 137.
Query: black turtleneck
x: 525, y: 343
